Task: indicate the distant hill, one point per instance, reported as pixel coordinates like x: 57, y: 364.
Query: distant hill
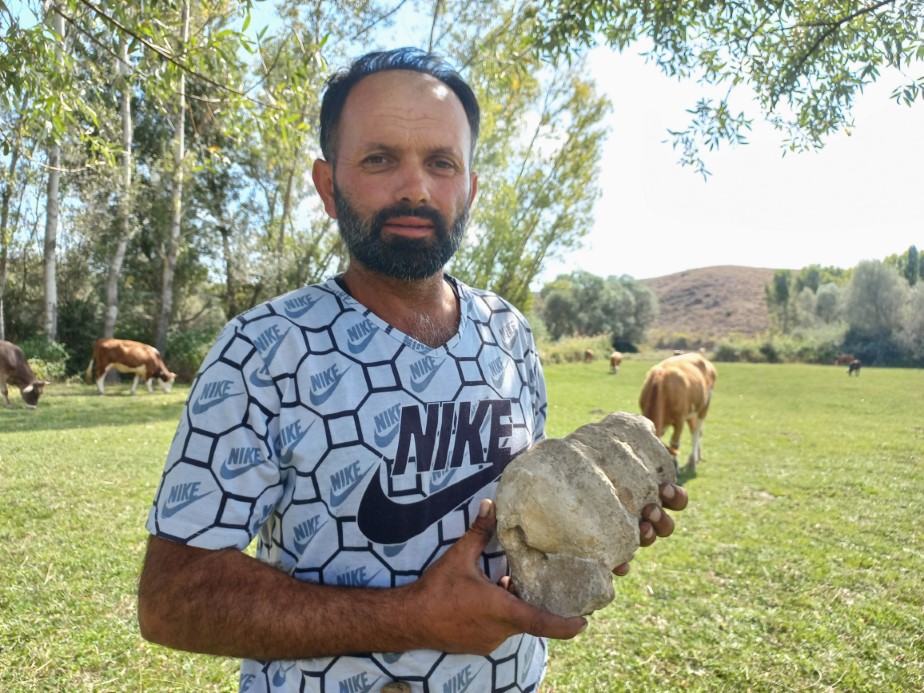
x: 712, y: 302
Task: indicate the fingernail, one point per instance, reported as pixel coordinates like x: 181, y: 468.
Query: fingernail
x: 668, y: 491
x: 484, y: 508
x: 583, y: 628
x: 654, y: 515
x: 649, y: 532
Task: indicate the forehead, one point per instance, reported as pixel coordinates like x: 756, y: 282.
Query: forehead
x: 399, y: 106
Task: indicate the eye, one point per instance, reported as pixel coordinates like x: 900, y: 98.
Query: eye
x: 444, y: 165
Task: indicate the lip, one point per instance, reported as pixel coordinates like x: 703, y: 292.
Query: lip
x: 409, y: 227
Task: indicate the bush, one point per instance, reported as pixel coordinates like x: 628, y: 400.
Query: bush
x: 48, y: 360
x: 186, y: 350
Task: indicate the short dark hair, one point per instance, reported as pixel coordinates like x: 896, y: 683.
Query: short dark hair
x: 342, y: 82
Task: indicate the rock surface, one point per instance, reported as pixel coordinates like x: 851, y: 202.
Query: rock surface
x: 568, y: 510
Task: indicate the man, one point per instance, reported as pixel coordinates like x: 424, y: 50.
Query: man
x: 359, y: 427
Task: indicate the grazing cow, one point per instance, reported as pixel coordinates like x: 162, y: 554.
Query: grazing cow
x: 676, y: 390
x: 589, y: 356
x: 15, y: 370
x: 843, y: 360
x: 615, y: 360
x: 854, y: 367
x: 126, y: 356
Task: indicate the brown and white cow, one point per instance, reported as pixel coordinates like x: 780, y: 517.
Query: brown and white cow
x: 676, y: 390
x: 854, y: 367
x: 15, y: 370
x: 589, y: 355
x: 615, y: 360
x: 126, y: 356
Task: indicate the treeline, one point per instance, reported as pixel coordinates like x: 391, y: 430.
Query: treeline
x: 874, y: 311
x: 154, y: 177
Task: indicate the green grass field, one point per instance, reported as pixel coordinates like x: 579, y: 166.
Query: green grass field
x: 799, y: 564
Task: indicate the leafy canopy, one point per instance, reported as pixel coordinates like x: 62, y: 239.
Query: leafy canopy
x: 805, y: 61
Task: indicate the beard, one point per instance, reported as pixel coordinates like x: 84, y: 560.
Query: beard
x: 400, y: 258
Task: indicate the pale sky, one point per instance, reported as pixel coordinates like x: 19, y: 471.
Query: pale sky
x: 859, y: 198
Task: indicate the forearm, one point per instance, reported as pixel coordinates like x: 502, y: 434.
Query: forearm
x: 227, y: 603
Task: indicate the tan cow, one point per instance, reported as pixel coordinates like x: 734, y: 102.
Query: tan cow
x: 676, y: 390
x: 589, y: 355
x: 843, y: 360
x: 141, y: 360
x: 615, y: 360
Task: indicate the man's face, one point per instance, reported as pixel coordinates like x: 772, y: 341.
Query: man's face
x: 401, y: 185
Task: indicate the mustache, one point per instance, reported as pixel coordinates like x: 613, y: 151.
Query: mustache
x: 405, y: 210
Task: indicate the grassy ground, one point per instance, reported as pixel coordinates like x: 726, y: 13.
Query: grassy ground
x: 797, y: 566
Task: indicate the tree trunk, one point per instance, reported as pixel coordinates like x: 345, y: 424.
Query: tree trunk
x: 176, y: 202
x: 125, y: 226
x: 6, y: 235
x: 51, y: 210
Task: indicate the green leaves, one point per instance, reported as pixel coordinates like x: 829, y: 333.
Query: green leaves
x: 804, y: 62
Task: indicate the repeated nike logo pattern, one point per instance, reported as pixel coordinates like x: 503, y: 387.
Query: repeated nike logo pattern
x: 359, y: 457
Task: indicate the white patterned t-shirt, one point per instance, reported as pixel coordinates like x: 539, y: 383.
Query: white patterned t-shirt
x: 356, y: 455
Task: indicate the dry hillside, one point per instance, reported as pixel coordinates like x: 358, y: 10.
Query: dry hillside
x: 711, y: 302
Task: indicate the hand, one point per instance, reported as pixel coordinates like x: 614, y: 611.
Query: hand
x: 655, y: 522
x: 465, y: 611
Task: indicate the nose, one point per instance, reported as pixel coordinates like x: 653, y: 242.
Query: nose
x: 413, y: 184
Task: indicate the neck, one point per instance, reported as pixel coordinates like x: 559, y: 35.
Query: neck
x: 425, y: 309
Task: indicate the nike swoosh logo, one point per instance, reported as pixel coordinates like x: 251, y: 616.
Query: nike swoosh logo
x: 498, y: 380
x: 170, y: 511
x: 384, y: 440
x: 441, y: 479
x: 359, y: 347
x: 286, y: 457
x: 257, y: 376
x: 420, y: 386
x: 199, y: 407
x: 301, y: 310
x: 385, y: 521
x: 321, y: 397
x: 230, y: 472
x: 301, y: 546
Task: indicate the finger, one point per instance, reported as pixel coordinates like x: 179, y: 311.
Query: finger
x: 621, y: 570
x: 507, y: 583
x: 646, y: 534
x: 472, y: 543
x: 547, y: 625
x: 673, y: 497
x: 660, y: 521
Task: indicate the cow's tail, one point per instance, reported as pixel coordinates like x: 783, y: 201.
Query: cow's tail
x: 89, y: 374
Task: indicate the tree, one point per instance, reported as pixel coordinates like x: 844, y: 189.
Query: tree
x: 538, y: 154
x: 912, y: 331
x: 828, y: 300
x: 804, y: 61
x: 778, y: 293
x: 582, y: 303
x: 876, y: 299
x: 912, y: 263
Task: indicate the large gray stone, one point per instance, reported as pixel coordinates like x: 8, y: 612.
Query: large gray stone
x: 568, y: 510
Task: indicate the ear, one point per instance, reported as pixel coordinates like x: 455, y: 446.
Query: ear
x: 28, y: 388
x: 473, y: 188
x: 322, y: 173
